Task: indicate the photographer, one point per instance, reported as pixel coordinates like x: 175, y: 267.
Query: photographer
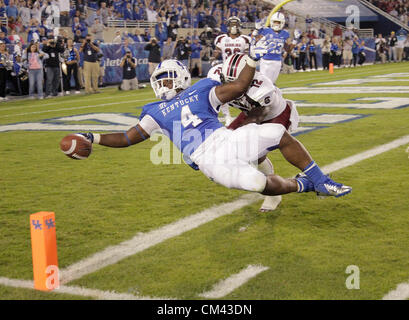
x: 196, y: 56
x: 52, y: 66
x: 183, y: 51
x: 154, y: 54
x: 91, y: 65
x: 128, y: 65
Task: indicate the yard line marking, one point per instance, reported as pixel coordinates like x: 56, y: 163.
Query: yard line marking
x: 143, y: 241
x: 337, y: 165
x: 331, y: 77
x: 226, y: 286
x: 400, y: 293
x: 75, y: 108
x: 58, y: 102
x: 79, y: 291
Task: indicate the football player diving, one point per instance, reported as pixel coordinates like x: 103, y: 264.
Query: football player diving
x: 187, y: 114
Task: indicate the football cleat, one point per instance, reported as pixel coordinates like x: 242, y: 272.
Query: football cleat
x: 270, y: 203
x: 304, y: 183
x: 331, y: 188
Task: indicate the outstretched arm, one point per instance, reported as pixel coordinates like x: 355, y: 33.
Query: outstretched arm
x: 133, y: 136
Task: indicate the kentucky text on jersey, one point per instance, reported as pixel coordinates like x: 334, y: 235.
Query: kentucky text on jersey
x: 166, y: 109
x: 188, y: 119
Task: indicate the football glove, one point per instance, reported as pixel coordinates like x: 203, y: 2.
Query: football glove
x: 258, y: 49
x: 89, y: 136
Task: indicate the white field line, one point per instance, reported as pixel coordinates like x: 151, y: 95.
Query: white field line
x: 226, y: 286
x: 400, y: 293
x: 76, y: 108
x: 57, y: 103
x: 337, y: 165
x: 359, y: 73
x: 79, y: 291
x: 144, y: 241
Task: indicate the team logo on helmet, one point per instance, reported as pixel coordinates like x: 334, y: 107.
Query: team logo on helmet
x: 169, y: 76
x: 277, y: 21
x: 232, y: 67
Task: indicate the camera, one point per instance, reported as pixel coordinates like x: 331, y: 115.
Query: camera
x: 89, y: 40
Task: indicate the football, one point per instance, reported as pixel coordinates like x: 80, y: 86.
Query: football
x: 76, y: 146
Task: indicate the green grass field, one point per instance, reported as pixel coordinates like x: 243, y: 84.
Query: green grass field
x: 307, y: 243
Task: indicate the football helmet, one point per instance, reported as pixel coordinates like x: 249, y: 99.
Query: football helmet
x: 233, y: 25
x: 232, y: 67
x: 277, y: 17
x: 169, y: 70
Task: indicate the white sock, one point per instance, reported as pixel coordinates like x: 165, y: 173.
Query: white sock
x: 266, y: 167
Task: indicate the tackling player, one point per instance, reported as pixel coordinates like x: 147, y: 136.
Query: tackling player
x: 270, y: 64
x: 188, y: 116
x: 262, y: 103
x: 228, y: 44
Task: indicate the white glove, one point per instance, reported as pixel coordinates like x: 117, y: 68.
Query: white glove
x: 258, y: 49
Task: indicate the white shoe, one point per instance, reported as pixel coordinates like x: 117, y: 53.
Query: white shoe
x: 77, y: 92
x: 270, y: 203
x: 67, y: 92
x: 60, y: 94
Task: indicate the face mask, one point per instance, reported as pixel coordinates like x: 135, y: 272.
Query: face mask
x: 233, y: 30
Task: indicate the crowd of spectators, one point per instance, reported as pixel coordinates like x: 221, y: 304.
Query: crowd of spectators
x: 42, y: 57
x: 396, y: 8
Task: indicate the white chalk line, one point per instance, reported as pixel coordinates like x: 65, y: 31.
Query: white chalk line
x: 79, y: 291
x: 359, y: 73
x: 78, y: 108
x: 400, y: 293
x: 56, y: 103
x: 143, y: 241
x: 226, y: 286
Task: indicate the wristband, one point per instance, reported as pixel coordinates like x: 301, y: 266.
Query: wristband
x: 251, y: 63
x: 97, y: 138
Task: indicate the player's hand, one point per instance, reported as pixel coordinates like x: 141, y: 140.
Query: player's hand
x: 89, y: 136
x: 258, y: 49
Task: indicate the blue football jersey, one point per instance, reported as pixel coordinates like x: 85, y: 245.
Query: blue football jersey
x: 276, y: 40
x: 188, y: 118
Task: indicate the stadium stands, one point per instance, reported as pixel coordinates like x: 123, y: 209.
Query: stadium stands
x: 134, y: 23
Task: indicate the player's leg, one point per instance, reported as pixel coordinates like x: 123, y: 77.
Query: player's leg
x: 256, y: 141
x: 270, y: 203
x: 296, y: 154
x: 270, y: 68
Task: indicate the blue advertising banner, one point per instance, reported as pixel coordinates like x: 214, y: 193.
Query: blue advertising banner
x: 113, y: 54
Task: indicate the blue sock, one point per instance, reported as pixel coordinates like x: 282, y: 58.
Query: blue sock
x: 314, y: 173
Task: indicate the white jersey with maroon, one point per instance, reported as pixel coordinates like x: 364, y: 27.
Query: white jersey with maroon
x: 263, y: 91
x: 228, y: 45
x: 215, y: 72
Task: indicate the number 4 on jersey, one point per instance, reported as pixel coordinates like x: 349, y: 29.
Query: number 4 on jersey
x: 187, y: 117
